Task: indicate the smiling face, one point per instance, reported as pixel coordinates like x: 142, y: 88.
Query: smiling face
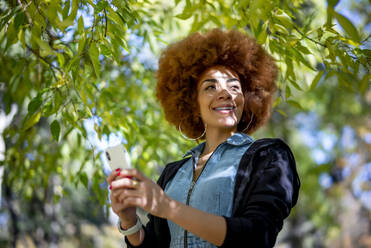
x: 220, y: 98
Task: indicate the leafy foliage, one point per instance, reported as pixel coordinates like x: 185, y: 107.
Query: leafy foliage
x: 67, y: 61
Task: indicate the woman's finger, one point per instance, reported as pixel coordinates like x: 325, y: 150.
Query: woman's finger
x: 127, y: 194
x: 118, y: 192
x: 125, y: 183
x: 131, y: 201
x: 133, y: 173
x: 119, y: 207
x: 112, y: 176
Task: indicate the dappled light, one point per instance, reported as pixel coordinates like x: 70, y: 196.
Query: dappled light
x: 79, y: 76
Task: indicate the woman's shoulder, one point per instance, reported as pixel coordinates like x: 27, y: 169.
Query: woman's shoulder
x: 273, y: 155
x: 268, y: 163
x: 266, y: 150
x: 170, y: 170
x: 274, y: 144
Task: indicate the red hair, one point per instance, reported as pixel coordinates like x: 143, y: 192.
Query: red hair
x: 181, y: 64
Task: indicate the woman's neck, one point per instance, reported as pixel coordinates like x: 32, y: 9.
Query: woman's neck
x: 214, y: 137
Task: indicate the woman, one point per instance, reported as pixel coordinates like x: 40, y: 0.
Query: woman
x: 229, y: 191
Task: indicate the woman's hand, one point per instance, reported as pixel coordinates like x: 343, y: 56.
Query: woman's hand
x: 126, y: 215
x: 132, y: 189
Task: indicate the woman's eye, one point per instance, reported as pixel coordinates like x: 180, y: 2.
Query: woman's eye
x: 210, y: 87
x: 235, y: 87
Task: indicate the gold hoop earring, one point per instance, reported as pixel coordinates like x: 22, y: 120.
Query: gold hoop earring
x: 184, y: 136
x: 252, y: 116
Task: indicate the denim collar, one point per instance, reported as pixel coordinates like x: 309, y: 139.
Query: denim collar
x: 237, y: 139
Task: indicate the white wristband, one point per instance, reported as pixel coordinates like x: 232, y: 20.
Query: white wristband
x: 131, y: 230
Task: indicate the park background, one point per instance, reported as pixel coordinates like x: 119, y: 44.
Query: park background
x: 78, y: 75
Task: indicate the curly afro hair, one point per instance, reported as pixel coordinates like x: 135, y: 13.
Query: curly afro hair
x: 182, y: 63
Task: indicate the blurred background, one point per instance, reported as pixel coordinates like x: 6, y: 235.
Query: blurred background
x: 77, y: 76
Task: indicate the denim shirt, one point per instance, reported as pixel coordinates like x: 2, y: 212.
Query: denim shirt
x: 213, y: 190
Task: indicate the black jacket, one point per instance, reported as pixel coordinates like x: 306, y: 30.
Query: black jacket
x: 266, y: 188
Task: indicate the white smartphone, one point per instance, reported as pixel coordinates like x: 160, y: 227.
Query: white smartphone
x: 118, y: 157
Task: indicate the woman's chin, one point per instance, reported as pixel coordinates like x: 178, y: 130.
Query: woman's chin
x: 228, y: 126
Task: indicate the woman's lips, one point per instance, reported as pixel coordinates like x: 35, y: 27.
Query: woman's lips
x: 224, y: 110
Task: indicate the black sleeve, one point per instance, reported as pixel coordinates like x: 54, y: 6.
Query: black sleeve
x: 268, y: 196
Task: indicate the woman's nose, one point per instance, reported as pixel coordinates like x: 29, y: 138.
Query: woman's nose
x: 224, y: 94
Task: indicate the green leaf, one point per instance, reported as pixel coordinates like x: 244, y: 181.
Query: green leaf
x: 319, y: 33
x: 295, y: 104
x: 301, y: 58
x: 31, y: 120
x: 105, y: 50
x: 55, y: 129
x: 290, y: 69
x: 115, y: 17
x: 348, y: 27
x: 279, y: 28
x: 71, y: 18
x: 288, y: 92
x: 295, y: 85
x: 84, y: 179
x: 283, y: 18
x: 48, y: 109
x: 80, y: 25
x: 61, y: 60
x: 19, y: 19
x: 6, y: 17
x: 214, y: 19
x: 303, y: 49
x: 98, y: 130
x: 332, y: 3
x: 283, y: 113
x: 366, y: 52
x: 316, y: 80
x: 11, y: 36
x: 91, y: 3
x: 66, y: 9
x: 34, y: 105
x: 73, y: 62
x: 94, y: 56
x: 262, y: 37
x: 365, y: 83
x: 185, y: 15
x: 330, y: 74
x: 100, y: 6
x: 44, y: 47
x: 276, y: 102
x: 81, y: 43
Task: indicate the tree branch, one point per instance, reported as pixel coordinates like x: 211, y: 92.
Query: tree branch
x: 37, y: 54
x: 366, y: 39
x: 24, y: 10
x: 105, y: 17
x: 303, y: 35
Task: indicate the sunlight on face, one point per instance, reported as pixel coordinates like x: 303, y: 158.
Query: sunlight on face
x: 220, y: 98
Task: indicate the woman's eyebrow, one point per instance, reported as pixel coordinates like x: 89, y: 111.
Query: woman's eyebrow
x: 213, y: 80
x: 232, y: 80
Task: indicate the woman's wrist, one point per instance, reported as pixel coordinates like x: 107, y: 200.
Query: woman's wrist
x: 132, y: 230
x: 126, y: 223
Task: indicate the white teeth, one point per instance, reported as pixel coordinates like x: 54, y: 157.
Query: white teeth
x: 224, y: 108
